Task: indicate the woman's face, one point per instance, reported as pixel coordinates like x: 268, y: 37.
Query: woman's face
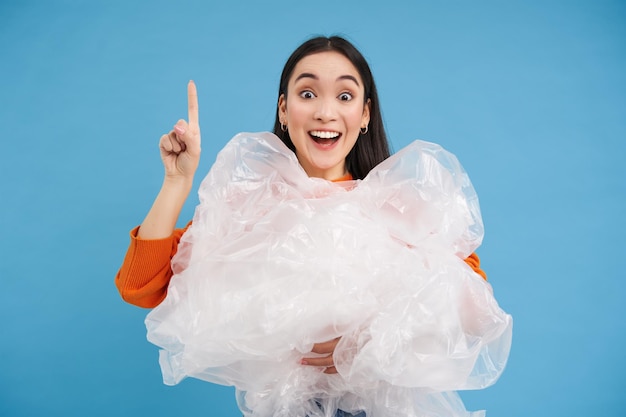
x: 324, y: 109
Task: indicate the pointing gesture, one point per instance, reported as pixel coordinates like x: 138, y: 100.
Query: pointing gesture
x: 180, y: 148
x: 180, y: 152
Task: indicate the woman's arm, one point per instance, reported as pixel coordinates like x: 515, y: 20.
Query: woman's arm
x: 145, y: 273
x: 144, y: 276
x: 180, y: 153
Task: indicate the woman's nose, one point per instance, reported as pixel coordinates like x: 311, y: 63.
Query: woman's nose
x: 325, y: 110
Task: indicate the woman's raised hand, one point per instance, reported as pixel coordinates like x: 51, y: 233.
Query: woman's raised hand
x: 180, y: 148
x: 180, y: 152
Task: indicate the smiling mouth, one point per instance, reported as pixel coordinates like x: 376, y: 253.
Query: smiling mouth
x: 324, y: 137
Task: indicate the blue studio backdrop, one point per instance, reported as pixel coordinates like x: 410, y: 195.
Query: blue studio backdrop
x: 530, y: 95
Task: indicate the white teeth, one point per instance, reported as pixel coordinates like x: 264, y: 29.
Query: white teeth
x: 324, y: 134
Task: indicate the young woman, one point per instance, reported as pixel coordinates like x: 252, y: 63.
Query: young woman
x: 309, y: 244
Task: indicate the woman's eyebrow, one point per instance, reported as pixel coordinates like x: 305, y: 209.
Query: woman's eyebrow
x: 306, y: 75
x: 348, y: 77
x: 315, y: 77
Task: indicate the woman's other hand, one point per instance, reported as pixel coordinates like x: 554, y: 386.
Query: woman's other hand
x: 327, y: 349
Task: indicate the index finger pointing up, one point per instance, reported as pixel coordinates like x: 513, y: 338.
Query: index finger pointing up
x: 192, y: 103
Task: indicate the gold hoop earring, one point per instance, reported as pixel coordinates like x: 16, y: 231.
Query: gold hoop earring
x: 283, y: 127
x: 363, y: 132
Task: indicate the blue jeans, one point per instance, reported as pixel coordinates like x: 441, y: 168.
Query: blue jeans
x: 341, y: 413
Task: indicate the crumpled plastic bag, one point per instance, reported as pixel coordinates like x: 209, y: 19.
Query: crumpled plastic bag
x: 275, y: 261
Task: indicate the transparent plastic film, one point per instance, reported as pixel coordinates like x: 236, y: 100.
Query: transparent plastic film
x: 275, y: 261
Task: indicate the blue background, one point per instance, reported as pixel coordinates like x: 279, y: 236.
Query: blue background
x: 530, y: 95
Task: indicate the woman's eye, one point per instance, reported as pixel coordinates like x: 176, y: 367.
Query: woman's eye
x: 345, y: 96
x: 307, y: 94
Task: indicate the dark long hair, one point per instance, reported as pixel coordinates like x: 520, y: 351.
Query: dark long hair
x: 372, y: 147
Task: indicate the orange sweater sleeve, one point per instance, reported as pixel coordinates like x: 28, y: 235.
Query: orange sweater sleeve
x: 146, y: 272
x: 474, y: 262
